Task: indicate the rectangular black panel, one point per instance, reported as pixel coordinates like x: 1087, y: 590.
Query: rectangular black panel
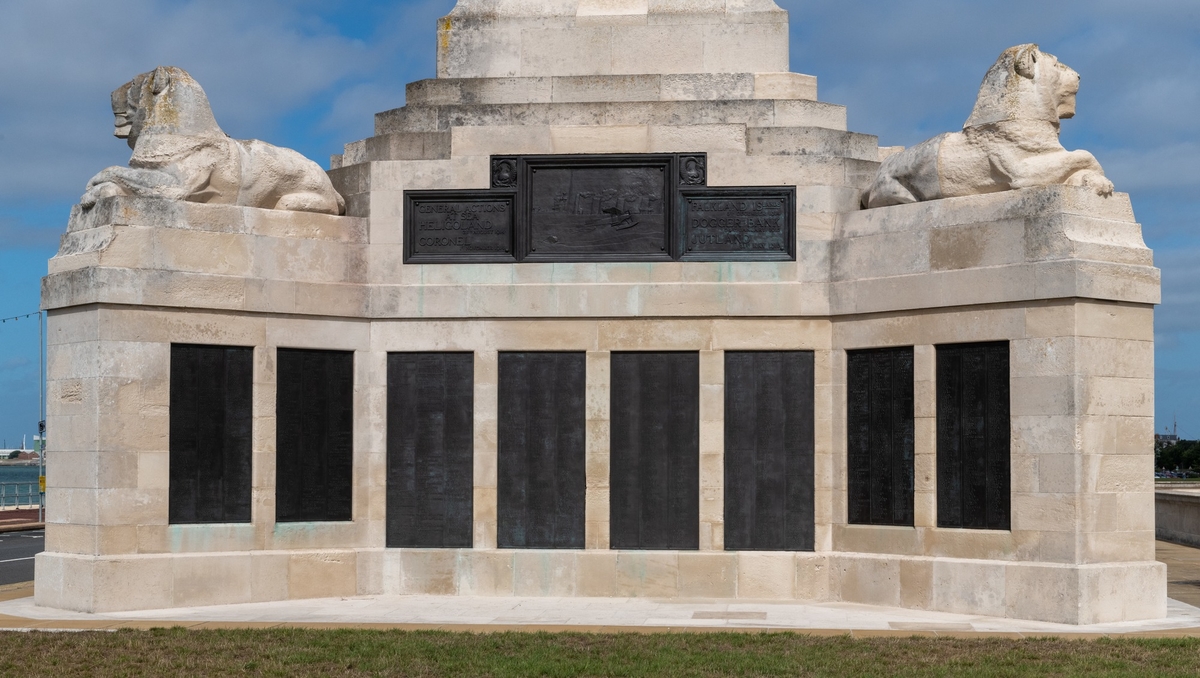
x: 728, y: 224
x: 210, y: 434
x: 597, y: 208
x: 603, y: 207
x: 654, y: 468
x: 879, y: 436
x: 458, y: 226
x: 973, y: 436
x: 769, y: 450
x: 314, y: 435
x: 430, y: 449
x: 541, y: 450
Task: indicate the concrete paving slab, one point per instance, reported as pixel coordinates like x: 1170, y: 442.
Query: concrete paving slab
x: 481, y: 614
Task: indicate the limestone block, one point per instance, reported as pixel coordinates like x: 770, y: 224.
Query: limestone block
x: 217, y: 579
x: 428, y: 571
x: 880, y: 255
x: 1114, y: 320
x: 1123, y: 592
x: 370, y: 571
x: 654, y: 335
x: 865, y: 579
x: 1049, y: 546
x: 738, y: 169
x: 917, y: 583
x: 1119, y: 473
x: 708, y: 86
x: 1117, y: 547
x: 804, y: 113
x: 765, y: 575
x: 1032, y: 434
x: 403, y: 146
x: 971, y: 588
x: 811, y: 577
x: 647, y: 574
x: 1117, y: 435
x: 1117, y: 512
x: 611, y: 139
x: 708, y: 575
x: 544, y: 573
x: 727, y: 138
x: 1115, y: 357
x: 597, y: 575
x: 1055, y: 473
x: 1044, y: 511
x: 662, y: 49
x: 503, y: 140
x: 878, y: 539
x: 970, y: 246
x: 450, y: 91
x: 482, y: 40
x: 116, y: 540
x: 486, y: 573
x: 64, y: 581
x: 1034, y: 396
x: 607, y: 88
x: 785, y: 86
x: 484, y: 521
x: 810, y: 141
x: 316, y: 535
x: 1047, y: 593
x: 130, y: 583
x: 1118, y: 396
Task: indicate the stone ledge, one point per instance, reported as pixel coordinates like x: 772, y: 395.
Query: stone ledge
x: 752, y: 112
x: 610, y: 88
x: 1071, y: 594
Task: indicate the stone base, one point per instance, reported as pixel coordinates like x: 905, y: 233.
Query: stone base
x: 1070, y: 594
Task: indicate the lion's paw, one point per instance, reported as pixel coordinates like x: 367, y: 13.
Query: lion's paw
x: 95, y: 193
x: 1097, y: 182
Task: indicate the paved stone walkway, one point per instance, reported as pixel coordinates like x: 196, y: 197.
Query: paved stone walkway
x: 472, y: 613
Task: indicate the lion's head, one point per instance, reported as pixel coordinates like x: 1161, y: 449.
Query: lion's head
x: 1025, y: 83
x: 163, y: 101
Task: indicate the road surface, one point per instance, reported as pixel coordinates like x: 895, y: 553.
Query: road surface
x: 16, y: 554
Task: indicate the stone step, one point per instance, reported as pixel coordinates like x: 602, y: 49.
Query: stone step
x: 398, y: 146
x: 750, y: 112
x: 811, y: 141
x: 609, y: 88
x: 802, y: 145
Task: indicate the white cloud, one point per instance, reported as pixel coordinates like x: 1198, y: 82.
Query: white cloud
x: 60, y: 60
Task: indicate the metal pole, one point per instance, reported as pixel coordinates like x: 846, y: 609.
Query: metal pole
x: 41, y: 421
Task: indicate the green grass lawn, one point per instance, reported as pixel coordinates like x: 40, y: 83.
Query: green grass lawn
x: 297, y: 652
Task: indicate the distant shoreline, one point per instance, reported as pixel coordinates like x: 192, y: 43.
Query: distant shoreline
x: 23, y: 462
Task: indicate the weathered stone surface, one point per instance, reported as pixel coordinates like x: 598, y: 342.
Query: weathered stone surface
x: 1010, y: 141
x: 180, y: 153
x: 512, y: 38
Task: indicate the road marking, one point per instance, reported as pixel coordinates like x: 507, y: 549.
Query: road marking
x: 13, y: 560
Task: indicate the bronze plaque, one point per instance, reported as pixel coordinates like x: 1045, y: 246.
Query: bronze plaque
x: 722, y: 224
x: 458, y: 226
x: 608, y: 207
x: 598, y: 208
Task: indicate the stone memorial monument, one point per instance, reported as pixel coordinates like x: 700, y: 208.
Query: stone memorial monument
x: 605, y: 317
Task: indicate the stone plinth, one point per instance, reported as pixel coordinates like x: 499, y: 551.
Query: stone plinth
x: 516, y: 39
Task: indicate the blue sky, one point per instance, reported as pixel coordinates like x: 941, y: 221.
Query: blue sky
x: 310, y: 74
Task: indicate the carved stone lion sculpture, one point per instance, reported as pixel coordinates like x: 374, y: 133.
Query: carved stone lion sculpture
x: 180, y: 153
x: 1010, y: 141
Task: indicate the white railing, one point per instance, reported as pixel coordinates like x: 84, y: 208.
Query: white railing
x: 20, y: 495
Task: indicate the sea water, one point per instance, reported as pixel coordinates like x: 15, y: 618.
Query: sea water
x: 26, y: 476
